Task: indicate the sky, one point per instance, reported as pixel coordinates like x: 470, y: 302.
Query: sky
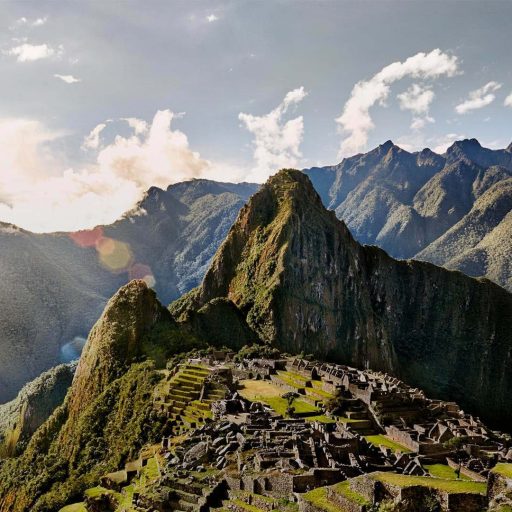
x: 100, y: 100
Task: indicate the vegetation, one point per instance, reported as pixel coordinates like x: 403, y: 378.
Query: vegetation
x: 345, y: 489
x: 444, y: 471
x: 503, y: 469
x: 450, y: 486
x: 382, y: 440
x: 110, y: 431
x: 255, y: 351
x: 270, y: 394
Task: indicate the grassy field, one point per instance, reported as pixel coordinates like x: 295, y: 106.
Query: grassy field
x: 318, y: 497
x: 503, y: 469
x: 450, y: 486
x: 383, y: 440
x: 444, y: 471
x: 270, y: 394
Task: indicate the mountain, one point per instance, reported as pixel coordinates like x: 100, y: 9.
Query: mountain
x: 56, y: 285
x: 107, y: 414
x: 302, y: 283
x: 21, y: 417
x: 421, y: 205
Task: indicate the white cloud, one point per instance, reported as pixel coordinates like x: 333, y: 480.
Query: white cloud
x: 276, y: 143
x: 69, y: 79
x: 417, y: 99
x: 356, y: 120
x: 30, y: 52
x: 479, y: 98
x: 38, y: 191
x: 39, y: 22
x: 92, y: 141
x: 418, y: 141
x: 444, y: 142
x: 23, y: 21
x: 508, y: 101
x: 211, y: 18
x: 139, y: 125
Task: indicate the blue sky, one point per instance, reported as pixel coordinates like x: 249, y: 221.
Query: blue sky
x: 238, y: 89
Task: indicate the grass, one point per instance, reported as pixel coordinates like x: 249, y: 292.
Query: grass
x: 344, y: 489
x: 444, y: 471
x: 245, y: 506
x: 318, y: 498
x: 322, y: 418
x: 94, y: 492
x: 382, y: 440
x: 503, y: 469
x: 75, y: 507
x: 449, y: 485
x: 270, y: 394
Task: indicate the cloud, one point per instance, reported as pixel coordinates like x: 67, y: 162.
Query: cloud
x: 444, y: 142
x: 438, y: 143
x: 92, y: 141
x: 38, y: 190
x: 69, y: 79
x: 356, y: 120
x: 276, y: 143
x: 479, y: 98
x: 39, y: 22
x: 139, y: 125
x: 417, y: 99
x: 23, y: 21
x: 508, y: 101
x: 31, y: 52
x: 211, y: 18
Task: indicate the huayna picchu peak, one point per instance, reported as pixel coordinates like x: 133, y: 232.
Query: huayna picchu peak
x: 305, y: 285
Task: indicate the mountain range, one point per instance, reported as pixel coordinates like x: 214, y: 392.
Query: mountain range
x: 290, y: 275
x: 453, y: 210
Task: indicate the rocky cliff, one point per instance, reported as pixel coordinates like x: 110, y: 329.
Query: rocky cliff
x: 304, y: 284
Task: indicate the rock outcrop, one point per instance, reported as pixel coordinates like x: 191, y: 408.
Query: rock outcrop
x: 304, y: 284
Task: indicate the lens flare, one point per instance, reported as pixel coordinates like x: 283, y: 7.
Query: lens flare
x: 114, y: 255
x: 87, y: 237
x: 144, y: 272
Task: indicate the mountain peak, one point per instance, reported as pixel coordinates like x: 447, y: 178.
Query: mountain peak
x: 386, y: 146
x: 464, y: 145
x: 115, y: 340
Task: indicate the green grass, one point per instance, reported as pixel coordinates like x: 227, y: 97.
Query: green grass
x: 322, y: 418
x: 319, y: 393
x: 503, y: 469
x: 444, y: 471
x: 344, y: 489
x: 75, y: 507
x: 450, y: 486
x: 383, y: 440
x: 270, y: 394
x: 150, y: 470
x: 94, y: 492
x: 318, y: 498
x: 245, y: 506
x: 280, y: 405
